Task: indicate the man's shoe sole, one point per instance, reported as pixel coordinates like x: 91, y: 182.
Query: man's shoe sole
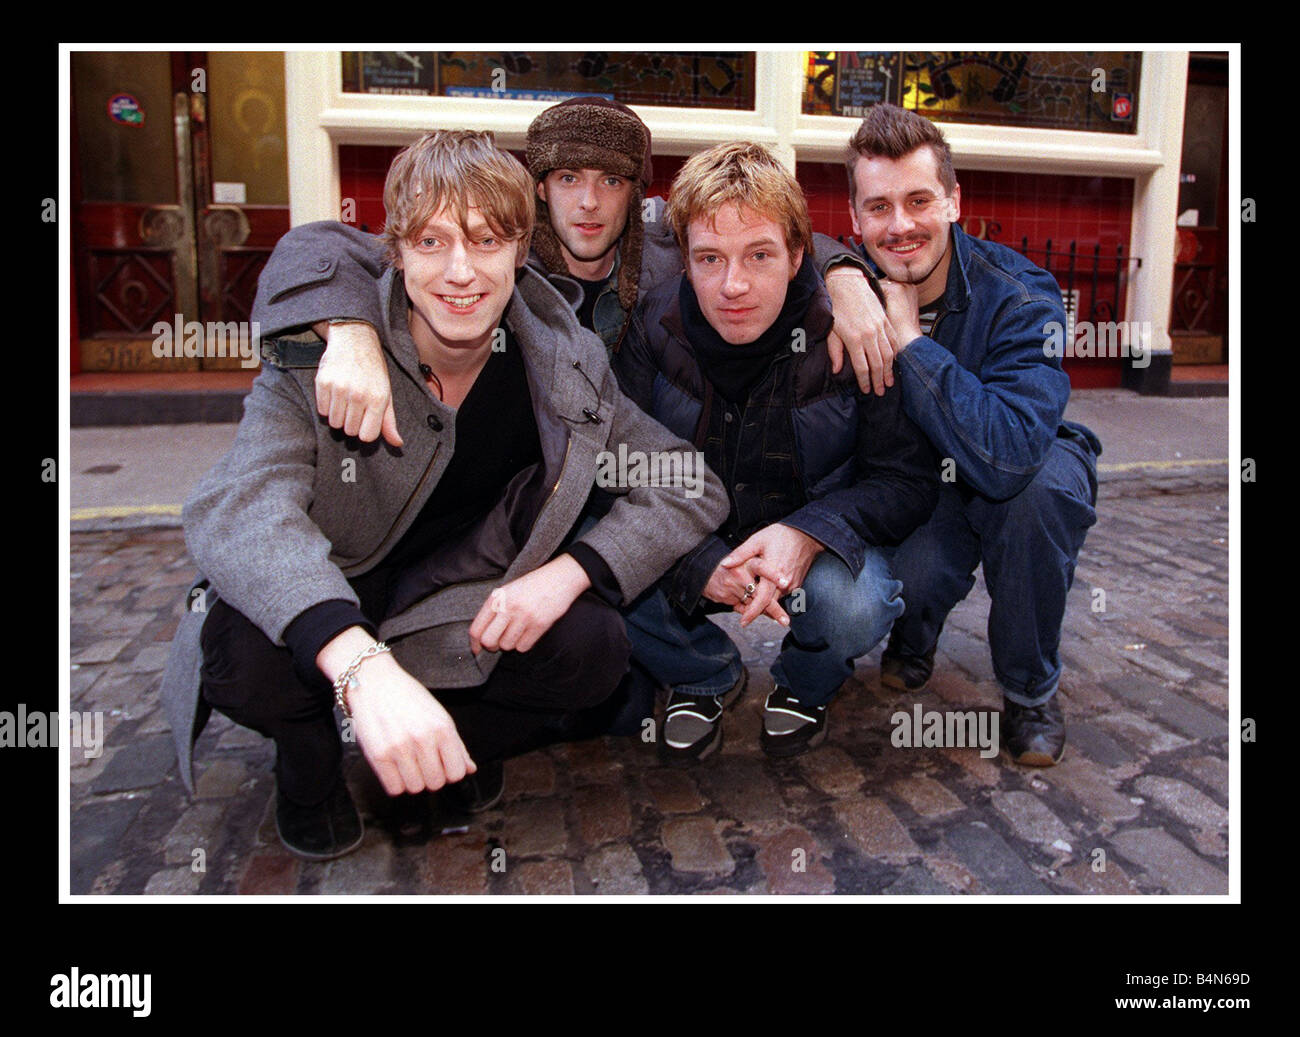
x: 794, y: 748
x: 688, y: 755
x: 308, y: 855
x: 890, y: 680
x: 1036, y: 759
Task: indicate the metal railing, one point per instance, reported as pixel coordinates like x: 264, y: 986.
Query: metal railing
x: 1093, y: 281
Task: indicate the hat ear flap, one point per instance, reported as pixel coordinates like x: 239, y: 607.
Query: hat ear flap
x: 546, y: 244
x: 629, y: 273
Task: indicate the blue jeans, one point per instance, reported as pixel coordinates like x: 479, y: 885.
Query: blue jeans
x: 1029, y: 545
x: 838, y: 618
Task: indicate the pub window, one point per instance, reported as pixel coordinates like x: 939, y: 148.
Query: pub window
x: 1095, y: 91
x: 694, y: 79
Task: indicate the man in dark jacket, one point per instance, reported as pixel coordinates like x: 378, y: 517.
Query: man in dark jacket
x: 972, y: 319
x: 732, y: 355
x: 498, y: 623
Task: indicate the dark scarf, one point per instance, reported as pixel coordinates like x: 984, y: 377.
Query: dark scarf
x: 734, y: 370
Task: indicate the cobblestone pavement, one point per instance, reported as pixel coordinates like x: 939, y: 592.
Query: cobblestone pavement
x: 1144, y: 780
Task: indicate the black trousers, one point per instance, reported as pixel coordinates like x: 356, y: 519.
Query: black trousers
x: 559, y: 689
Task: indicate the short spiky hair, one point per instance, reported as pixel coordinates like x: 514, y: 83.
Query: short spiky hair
x: 892, y: 132
x: 742, y: 174
x: 450, y: 168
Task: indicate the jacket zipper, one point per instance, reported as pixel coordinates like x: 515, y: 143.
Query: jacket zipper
x: 397, y: 521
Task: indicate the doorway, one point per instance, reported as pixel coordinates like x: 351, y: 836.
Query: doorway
x: 180, y: 188
x: 1198, y: 325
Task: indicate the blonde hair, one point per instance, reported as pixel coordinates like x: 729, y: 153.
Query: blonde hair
x: 452, y: 168
x: 743, y: 174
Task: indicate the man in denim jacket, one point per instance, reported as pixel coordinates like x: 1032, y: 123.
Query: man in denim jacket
x: 971, y: 318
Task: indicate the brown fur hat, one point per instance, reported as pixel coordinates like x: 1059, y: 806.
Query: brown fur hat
x: 592, y: 133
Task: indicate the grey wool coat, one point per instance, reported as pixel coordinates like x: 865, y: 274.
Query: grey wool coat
x: 276, y: 526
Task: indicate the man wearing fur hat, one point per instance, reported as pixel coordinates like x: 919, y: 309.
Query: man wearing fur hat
x: 591, y: 160
x: 599, y: 240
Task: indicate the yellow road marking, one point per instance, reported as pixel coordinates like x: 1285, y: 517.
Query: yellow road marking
x: 125, y: 511
x: 1131, y: 466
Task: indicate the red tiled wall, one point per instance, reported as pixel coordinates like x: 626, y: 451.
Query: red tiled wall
x: 362, y: 169
x: 1040, y: 206
x: 1084, y: 209
x: 1008, y: 207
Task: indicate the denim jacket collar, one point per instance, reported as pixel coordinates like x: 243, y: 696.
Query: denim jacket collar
x: 957, y: 293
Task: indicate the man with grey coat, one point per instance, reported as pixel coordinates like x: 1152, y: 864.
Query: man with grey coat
x: 435, y: 592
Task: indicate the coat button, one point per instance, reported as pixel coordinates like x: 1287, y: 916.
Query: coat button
x: 434, y: 423
x: 728, y: 417
x: 322, y: 265
x: 740, y: 487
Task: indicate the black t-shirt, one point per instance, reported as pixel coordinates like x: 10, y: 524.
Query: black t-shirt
x: 496, y: 438
x: 590, y: 293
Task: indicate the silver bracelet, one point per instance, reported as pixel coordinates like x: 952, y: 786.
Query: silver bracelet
x: 347, y: 680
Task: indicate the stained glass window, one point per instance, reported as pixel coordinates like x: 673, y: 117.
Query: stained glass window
x: 697, y: 79
x: 1078, y: 90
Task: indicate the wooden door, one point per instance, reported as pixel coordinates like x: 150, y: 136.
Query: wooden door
x: 1198, y: 323
x: 180, y: 181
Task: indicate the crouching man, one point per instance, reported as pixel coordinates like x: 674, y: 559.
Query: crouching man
x: 732, y: 356
x: 434, y: 592
x: 970, y: 318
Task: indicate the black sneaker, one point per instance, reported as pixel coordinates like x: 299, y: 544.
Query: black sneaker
x: 790, y: 728
x: 905, y: 672
x: 322, y: 832
x: 693, y: 723
x: 478, y: 792
x: 1034, y: 736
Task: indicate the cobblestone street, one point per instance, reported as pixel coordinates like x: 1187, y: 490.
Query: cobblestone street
x: 1144, y: 780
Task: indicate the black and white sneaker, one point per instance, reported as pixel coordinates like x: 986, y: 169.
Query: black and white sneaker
x: 693, y: 723
x: 790, y: 728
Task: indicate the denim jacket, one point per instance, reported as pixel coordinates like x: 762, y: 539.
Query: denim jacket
x: 608, y: 318
x: 981, y: 384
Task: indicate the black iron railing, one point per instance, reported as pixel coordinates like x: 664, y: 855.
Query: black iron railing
x: 1099, y: 277
x: 1093, y: 280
